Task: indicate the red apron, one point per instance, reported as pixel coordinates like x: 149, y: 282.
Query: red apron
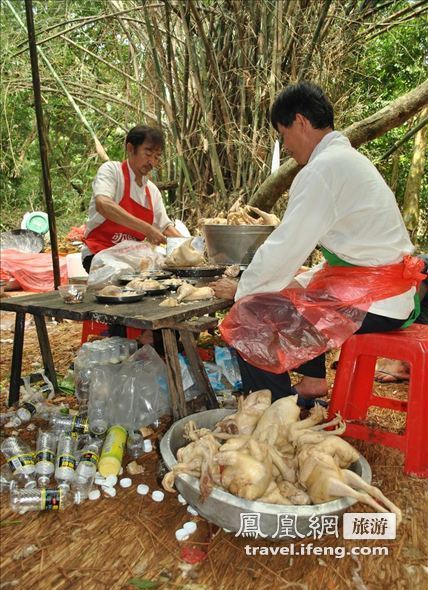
x: 109, y: 233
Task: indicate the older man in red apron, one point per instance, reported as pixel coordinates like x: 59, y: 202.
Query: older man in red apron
x: 125, y: 204
x: 340, y: 202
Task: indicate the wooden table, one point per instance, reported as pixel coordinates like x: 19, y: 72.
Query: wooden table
x: 146, y: 314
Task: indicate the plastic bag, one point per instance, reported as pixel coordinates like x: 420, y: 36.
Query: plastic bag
x: 280, y: 331
x: 226, y: 359
x: 126, y: 257
x: 33, y: 272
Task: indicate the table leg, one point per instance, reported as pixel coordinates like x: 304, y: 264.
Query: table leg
x: 18, y: 345
x: 45, y: 349
x: 198, y: 369
x: 175, y: 381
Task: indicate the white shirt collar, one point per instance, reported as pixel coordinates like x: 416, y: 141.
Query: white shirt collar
x: 325, y: 141
x: 132, y: 176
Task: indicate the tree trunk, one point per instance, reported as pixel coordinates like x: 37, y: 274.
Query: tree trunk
x: 393, y: 115
x: 414, y: 180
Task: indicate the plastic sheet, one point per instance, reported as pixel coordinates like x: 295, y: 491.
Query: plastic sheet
x: 126, y: 257
x: 33, y: 272
x: 280, y: 331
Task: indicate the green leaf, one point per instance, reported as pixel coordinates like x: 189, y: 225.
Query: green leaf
x: 143, y: 584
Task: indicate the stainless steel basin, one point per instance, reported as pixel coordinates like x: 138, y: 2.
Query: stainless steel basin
x: 224, y: 509
x: 234, y: 244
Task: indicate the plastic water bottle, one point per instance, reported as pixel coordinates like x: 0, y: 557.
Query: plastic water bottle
x: 87, y: 466
x: 6, y: 478
x: 42, y: 499
x: 101, y: 386
x: 66, y: 423
x: 65, y: 464
x: 32, y: 408
x: 45, y: 457
x: 135, y: 445
x: 20, y: 459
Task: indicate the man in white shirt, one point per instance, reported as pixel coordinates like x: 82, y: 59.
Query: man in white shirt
x: 338, y: 201
x: 125, y: 203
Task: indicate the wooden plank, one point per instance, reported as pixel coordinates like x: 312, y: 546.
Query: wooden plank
x: 18, y: 345
x: 198, y: 369
x: 193, y: 325
x: 175, y: 381
x: 146, y: 314
x: 45, y: 349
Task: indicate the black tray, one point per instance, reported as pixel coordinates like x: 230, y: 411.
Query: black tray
x: 124, y: 299
x: 162, y: 291
x: 212, y: 270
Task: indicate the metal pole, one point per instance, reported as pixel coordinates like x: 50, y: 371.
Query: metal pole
x: 42, y: 141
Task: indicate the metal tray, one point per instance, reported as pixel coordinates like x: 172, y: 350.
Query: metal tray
x: 211, y: 270
x: 162, y: 291
x: 155, y: 274
x: 124, y: 299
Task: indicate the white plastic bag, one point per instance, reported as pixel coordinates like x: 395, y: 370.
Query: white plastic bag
x: 126, y: 257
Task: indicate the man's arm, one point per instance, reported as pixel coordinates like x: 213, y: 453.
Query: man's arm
x: 107, y: 207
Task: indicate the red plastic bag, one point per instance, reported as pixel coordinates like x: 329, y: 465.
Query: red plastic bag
x: 33, y: 272
x: 280, y: 331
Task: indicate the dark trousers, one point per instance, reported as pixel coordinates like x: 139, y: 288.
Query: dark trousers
x: 254, y: 379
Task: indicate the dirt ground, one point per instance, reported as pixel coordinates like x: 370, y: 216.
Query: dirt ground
x: 105, y: 544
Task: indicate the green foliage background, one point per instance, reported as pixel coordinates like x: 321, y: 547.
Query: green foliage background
x: 371, y: 75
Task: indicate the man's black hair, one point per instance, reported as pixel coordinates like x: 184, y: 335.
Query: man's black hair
x: 144, y: 134
x: 307, y: 99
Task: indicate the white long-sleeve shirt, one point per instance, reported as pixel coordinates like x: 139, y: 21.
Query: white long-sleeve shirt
x: 110, y: 183
x: 340, y: 201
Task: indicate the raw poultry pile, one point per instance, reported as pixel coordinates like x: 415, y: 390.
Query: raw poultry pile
x: 240, y: 215
x: 264, y: 452
x: 185, y: 255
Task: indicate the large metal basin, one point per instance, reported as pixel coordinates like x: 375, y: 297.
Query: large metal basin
x: 224, y: 509
x: 234, y: 244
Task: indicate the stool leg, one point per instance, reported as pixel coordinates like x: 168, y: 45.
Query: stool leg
x: 362, y: 385
x: 416, y: 454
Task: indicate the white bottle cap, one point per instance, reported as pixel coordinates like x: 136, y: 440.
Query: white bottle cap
x: 190, y: 526
x: 181, y: 499
x: 109, y: 491
x: 125, y: 482
x: 148, y: 447
x: 143, y: 489
x: 182, y: 535
x: 192, y: 511
x: 94, y: 494
x: 111, y: 481
x: 158, y: 496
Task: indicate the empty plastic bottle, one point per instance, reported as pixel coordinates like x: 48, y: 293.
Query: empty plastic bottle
x: 6, y: 478
x: 101, y: 386
x: 66, y: 423
x: 135, y: 445
x: 112, y: 451
x: 87, y: 466
x: 42, y: 499
x: 65, y: 464
x: 20, y: 459
x: 32, y: 408
x: 45, y: 457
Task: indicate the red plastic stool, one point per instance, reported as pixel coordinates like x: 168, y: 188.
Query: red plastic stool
x: 92, y: 327
x: 353, y: 395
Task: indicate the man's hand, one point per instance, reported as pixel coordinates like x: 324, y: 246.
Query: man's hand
x: 155, y: 237
x: 225, y: 288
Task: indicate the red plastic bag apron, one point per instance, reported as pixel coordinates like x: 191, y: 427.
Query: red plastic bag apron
x: 109, y: 233
x: 280, y: 331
